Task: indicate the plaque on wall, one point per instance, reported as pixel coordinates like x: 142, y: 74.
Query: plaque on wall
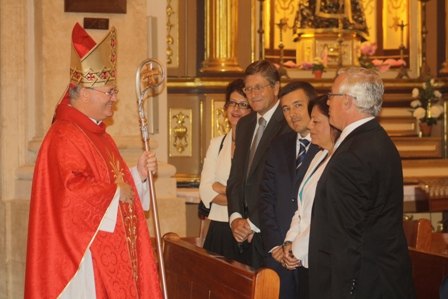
x: 98, y: 6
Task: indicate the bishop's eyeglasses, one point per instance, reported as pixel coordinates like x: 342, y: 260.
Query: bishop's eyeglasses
x: 110, y: 93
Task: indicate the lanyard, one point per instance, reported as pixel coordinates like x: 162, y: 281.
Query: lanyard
x: 310, y: 176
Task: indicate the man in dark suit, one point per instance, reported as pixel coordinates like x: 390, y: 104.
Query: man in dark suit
x: 357, y: 246
x: 254, y: 134
x: 285, y: 167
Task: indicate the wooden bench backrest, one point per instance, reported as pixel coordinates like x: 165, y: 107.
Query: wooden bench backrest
x: 418, y: 233
x: 429, y: 257
x: 193, y: 273
x: 428, y: 271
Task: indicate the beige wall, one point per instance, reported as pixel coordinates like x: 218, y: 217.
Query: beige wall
x: 34, y: 68
x: 34, y: 64
x: 15, y: 126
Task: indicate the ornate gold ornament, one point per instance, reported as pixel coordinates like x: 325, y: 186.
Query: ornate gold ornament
x: 180, y: 140
x: 169, y: 37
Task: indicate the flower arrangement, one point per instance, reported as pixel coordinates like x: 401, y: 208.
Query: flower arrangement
x: 426, y: 106
x: 317, y: 65
x: 367, y: 49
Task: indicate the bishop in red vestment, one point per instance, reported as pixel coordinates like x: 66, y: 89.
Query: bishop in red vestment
x: 88, y: 236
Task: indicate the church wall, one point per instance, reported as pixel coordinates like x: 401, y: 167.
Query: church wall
x: 34, y: 65
x: 14, y: 91
x: 3, y: 265
x: 54, y: 66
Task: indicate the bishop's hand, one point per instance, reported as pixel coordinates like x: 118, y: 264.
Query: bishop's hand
x: 126, y: 192
x: 147, y: 162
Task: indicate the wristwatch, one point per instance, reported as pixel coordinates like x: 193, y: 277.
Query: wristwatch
x: 286, y: 243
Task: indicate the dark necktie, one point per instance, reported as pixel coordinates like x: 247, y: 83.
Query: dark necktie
x: 258, y: 134
x: 302, y: 152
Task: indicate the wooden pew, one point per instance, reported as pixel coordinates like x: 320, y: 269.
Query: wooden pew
x: 193, y: 273
x: 418, y: 233
x: 428, y: 271
x: 429, y: 257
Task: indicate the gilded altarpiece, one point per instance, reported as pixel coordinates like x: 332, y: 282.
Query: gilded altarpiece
x: 309, y: 37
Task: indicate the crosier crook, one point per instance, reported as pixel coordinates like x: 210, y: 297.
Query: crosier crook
x: 149, y: 75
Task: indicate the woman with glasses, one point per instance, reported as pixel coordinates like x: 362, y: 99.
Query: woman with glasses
x: 216, y: 171
x: 297, y: 238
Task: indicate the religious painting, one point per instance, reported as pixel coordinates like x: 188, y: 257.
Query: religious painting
x: 96, y: 6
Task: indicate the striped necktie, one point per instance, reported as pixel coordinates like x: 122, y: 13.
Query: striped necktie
x: 302, y: 151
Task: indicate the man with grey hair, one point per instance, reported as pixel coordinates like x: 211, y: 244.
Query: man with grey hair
x: 357, y: 245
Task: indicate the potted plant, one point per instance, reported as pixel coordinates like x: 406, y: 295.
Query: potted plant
x: 317, y: 67
x: 426, y: 106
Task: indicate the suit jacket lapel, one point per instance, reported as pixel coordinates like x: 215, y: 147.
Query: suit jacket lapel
x: 271, y: 130
x: 290, y: 150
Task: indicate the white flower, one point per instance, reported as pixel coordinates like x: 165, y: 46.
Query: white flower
x: 415, y: 93
x: 318, y: 60
x: 426, y: 102
x: 416, y: 103
x: 419, y: 113
x: 436, y: 111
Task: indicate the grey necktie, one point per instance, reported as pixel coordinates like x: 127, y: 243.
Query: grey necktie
x: 253, y: 147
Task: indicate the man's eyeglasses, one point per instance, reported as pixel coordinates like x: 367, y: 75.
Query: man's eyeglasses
x: 240, y: 105
x: 330, y: 95
x: 110, y: 93
x: 256, y: 89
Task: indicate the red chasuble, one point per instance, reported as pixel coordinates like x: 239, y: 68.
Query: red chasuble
x: 74, y: 182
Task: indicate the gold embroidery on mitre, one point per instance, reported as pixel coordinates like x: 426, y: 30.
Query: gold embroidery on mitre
x: 98, y: 67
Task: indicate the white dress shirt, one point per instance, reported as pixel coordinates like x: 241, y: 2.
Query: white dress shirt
x: 216, y: 169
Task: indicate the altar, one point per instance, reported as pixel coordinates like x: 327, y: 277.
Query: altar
x: 332, y: 45
x: 330, y: 73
